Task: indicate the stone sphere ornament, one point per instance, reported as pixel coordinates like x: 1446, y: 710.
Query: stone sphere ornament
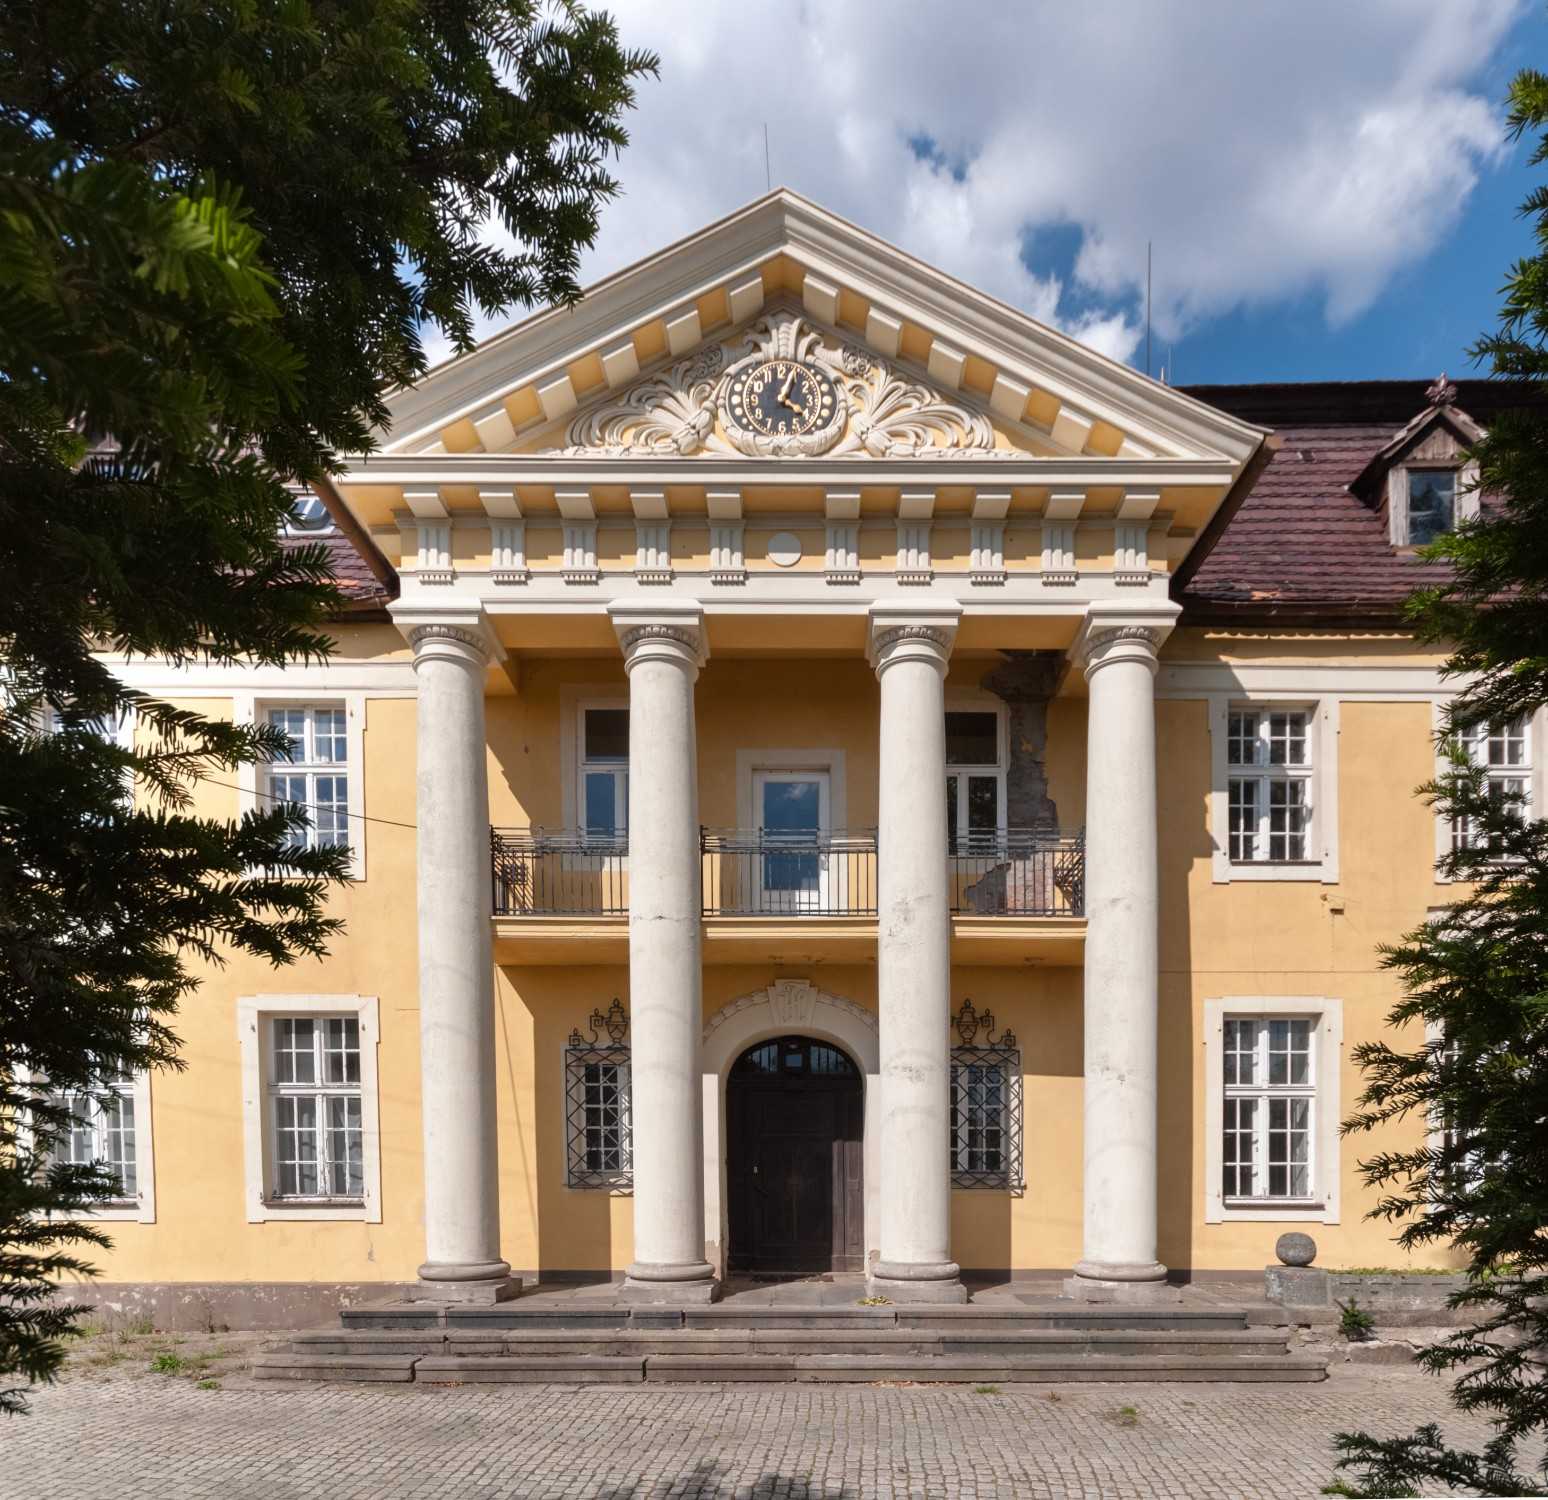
x: 1296, y: 1249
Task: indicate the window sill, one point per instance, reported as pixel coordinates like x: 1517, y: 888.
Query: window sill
x: 1227, y: 871
x: 1271, y: 1211
x: 313, y: 1209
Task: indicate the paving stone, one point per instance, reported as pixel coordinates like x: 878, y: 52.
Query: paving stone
x: 145, y: 1437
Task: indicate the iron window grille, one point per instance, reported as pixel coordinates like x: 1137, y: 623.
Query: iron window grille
x: 598, y: 1102
x: 985, y: 1104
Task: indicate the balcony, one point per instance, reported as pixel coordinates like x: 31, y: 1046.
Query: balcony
x: 1015, y: 897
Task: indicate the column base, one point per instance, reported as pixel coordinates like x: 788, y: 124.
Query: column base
x: 1098, y: 1281
x: 673, y: 1285
x: 915, y: 1281
x: 488, y: 1282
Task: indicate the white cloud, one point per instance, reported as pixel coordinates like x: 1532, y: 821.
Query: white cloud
x: 1268, y: 151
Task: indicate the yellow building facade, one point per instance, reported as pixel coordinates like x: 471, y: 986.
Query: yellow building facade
x: 841, y: 778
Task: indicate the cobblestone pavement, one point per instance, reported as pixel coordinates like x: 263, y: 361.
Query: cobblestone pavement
x: 173, y: 1440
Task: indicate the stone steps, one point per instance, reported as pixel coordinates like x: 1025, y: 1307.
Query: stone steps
x: 610, y: 1343
x: 765, y: 1368
x: 571, y: 1314
x: 887, y: 1342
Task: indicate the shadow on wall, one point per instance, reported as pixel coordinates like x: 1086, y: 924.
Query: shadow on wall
x: 1183, y: 775
x: 571, y: 1228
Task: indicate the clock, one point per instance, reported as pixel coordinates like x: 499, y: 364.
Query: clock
x: 785, y: 399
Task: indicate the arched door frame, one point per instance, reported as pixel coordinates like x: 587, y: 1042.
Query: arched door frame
x: 786, y: 1007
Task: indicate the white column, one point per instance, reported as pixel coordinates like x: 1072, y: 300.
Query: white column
x: 909, y: 648
x: 456, y: 971
x: 663, y: 650
x: 1118, y: 1252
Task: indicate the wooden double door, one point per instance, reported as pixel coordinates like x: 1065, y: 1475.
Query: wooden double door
x: 795, y: 1115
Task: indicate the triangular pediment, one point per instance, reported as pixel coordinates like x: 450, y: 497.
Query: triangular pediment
x: 926, y: 366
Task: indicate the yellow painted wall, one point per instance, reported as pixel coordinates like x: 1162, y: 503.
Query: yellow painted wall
x: 1279, y: 938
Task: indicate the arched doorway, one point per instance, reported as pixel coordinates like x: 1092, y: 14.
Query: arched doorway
x: 795, y: 1111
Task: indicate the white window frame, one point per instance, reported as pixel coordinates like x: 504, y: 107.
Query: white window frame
x: 255, y: 1015
x: 1535, y: 774
x: 1327, y: 1061
x: 1322, y: 834
x: 254, y: 709
x: 141, y: 1209
x: 966, y: 703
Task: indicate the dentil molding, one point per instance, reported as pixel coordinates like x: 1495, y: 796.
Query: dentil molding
x: 682, y: 410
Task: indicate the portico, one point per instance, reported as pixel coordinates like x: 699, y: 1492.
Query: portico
x: 734, y: 476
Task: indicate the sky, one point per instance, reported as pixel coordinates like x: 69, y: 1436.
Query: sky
x: 1325, y: 184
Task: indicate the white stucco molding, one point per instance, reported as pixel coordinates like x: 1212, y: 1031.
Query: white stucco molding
x: 1328, y: 1014
x: 253, y: 1013
x: 785, y: 1007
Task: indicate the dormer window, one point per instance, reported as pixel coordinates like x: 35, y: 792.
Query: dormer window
x: 1432, y: 504
x: 1423, y: 479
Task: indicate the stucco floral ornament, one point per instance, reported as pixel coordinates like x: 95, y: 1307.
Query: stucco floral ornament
x: 877, y: 410
x: 672, y: 413
x: 898, y: 418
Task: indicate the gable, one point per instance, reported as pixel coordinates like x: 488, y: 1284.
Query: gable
x: 1054, y: 396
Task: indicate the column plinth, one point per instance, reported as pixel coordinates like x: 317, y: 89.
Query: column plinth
x: 663, y: 650
x: 1118, y: 1260
x: 456, y: 972
x: 909, y: 649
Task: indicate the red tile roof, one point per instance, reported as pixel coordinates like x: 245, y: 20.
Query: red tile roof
x: 1300, y: 543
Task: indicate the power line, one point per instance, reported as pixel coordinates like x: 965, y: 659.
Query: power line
x: 309, y: 806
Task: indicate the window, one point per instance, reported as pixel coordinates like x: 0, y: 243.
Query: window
x: 309, y: 517
x: 315, y: 773
x: 309, y: 1100
x: 1505, y: 753
x: 102, y: 1130
x: 974, y: 781
x: 985, y: 1104
x: 1272, y: 1108
x: 1269, y: 755
x: 111, y: 1126
x: 315, y: 1108
x: 604, y: 778
x: 1270, y: 1099
x: 598, y: 1105
x: 1432, y: 504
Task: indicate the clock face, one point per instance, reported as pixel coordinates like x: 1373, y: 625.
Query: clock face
x: 782, y: 397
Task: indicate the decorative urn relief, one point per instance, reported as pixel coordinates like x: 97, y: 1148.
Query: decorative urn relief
x: 783, y: 389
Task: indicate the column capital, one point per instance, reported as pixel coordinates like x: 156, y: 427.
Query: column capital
x: 460, y: 636
x: 661, y: 632
x: 911, y: 632
x: 1112, y: 635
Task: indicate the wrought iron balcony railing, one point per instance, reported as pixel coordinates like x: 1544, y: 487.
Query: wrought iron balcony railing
x: 541, y: 874
x: 758, y: 872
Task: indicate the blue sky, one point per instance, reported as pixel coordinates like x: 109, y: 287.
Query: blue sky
x: 1326, y: 184
x: 1428, y: 315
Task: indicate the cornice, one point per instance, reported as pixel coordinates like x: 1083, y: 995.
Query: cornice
x: 568, y: 471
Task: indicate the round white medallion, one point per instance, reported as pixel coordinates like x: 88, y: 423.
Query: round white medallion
x: 784, y: 549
